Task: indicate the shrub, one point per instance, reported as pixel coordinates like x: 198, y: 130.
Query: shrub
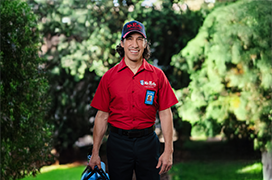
x: 25, y: 132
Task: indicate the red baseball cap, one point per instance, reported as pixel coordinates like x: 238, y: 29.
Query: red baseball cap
x: 133, y: 26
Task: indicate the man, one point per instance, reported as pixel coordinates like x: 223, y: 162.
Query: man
x: 128, y: 98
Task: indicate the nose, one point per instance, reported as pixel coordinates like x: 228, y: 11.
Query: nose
x: 135, y: 43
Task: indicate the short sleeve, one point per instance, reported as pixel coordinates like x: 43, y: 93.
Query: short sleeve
x: 101, y: 98
x: 167, y: 97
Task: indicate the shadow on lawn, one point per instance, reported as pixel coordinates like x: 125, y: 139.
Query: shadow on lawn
x: 214, y: 160
x: 215, y: 150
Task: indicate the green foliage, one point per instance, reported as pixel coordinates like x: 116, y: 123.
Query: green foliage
x: 79, y: 44
x: 25, y: 131
x: 230, y: 68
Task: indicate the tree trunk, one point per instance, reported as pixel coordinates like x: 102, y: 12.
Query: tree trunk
x: 267, y: 164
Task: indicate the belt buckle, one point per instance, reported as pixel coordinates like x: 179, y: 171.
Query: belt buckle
x: 134, y: 134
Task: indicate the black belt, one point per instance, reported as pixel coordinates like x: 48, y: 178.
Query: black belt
x: 134, y: 133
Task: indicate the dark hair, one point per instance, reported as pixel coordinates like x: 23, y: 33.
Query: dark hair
x: 146, y: 54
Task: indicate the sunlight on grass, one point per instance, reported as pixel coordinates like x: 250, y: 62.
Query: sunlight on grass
x: 53, y: 167
x: 216, y: 170
x: 193, y: 170
x: 257, y: 167
x: 59, y: 172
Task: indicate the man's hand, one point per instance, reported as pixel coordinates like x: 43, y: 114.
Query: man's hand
x: 166, y: 159
x: 95, y: 161
x: 100, y: 127
x: 165, y: 162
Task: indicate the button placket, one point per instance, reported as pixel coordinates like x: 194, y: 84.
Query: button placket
x: 133, y: 100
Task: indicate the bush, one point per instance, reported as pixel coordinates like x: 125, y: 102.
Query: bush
x: 25, y: 132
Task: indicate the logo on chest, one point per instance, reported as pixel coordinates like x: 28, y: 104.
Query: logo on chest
x: 149, y: 84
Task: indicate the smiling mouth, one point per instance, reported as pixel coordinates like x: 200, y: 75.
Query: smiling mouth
x: 134, y: 51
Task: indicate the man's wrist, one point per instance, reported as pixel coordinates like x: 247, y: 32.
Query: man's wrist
x: 168, y: 149
x: 95, y: 152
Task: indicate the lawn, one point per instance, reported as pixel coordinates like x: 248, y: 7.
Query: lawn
x: 194, y: 160
x: 61, y: 172
x: 195, y: 170
x: 217, y: 170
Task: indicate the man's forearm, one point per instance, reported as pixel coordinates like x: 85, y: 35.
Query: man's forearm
x: 166, y: 159
x: 166, y: 119
x: 100, y: 127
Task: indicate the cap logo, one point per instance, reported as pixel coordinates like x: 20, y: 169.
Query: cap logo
x: 134, y: 25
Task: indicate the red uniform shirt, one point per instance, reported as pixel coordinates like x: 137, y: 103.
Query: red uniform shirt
x: 133, y: 100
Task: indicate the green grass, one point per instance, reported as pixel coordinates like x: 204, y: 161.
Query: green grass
x: 59, y: 173
x: 206, y: 161
x: 195, y: 170
x: 217, y: 170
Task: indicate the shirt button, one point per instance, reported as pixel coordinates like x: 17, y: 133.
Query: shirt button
x: 132, y: 91
x: 133, y: 106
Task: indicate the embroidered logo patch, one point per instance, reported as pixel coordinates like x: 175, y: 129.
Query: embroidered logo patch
x: 149, y: 84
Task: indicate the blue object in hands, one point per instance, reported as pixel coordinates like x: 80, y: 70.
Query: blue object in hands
x: 96, y: 174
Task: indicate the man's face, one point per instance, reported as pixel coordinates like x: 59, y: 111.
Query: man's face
x: 134, y: 45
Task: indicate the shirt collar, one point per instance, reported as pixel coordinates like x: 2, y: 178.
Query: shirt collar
x: 122, y: 65
x: 146, y: 66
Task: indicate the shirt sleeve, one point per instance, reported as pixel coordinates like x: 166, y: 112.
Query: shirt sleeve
x: 167, y: 97
x: 101, y: 98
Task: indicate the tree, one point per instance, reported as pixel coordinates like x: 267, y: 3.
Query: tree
x: 230, y: 68
x: 25, y: 131
x: 79, y: 38
x: 79, y: 43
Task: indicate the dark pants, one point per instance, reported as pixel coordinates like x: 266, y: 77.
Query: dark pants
x: 127, y: 154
